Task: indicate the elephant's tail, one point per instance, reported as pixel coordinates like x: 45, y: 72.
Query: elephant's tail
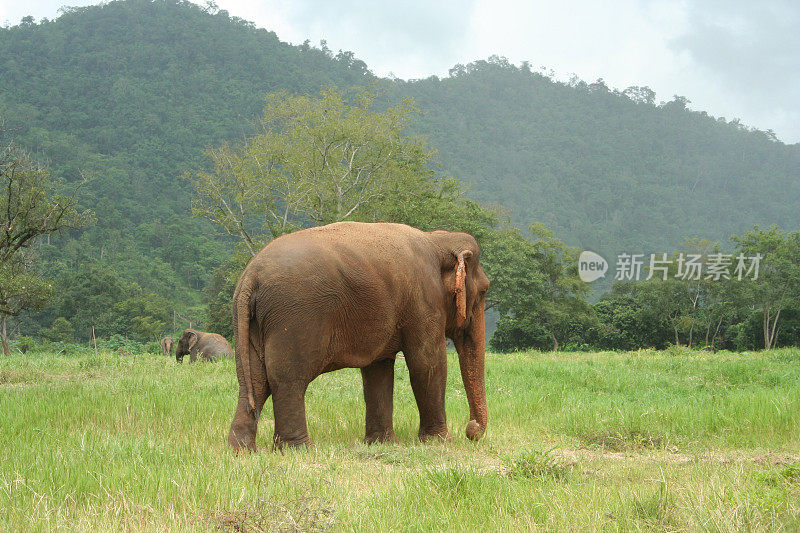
x: 243, y: 337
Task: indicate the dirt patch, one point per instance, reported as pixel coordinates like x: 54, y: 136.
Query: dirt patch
x: 303, y: 514
x: 671, y: 456
x: 624, y: 440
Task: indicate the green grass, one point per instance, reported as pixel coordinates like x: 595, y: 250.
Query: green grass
x: 667, y: 441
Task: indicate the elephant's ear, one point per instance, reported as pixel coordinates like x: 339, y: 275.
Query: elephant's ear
x: 192, y: 339
x: 459, y: 286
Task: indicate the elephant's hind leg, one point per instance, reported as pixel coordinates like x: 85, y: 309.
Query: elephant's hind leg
x: 378, y: 391
x: 289, y: 407
x: 245, y: 422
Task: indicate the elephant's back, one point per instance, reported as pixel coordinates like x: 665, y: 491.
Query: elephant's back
x: 355, y: 252
x: 217, y: 346
x: 381, y: 240
x: 340, y: 274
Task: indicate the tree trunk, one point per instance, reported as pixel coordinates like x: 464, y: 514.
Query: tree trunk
x: 555, y: 342
x: 6, y: 349
x: 773, y: 333
x: 714, y: 338
x: 765, y: 327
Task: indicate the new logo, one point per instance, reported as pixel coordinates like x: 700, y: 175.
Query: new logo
x: 591, y: 266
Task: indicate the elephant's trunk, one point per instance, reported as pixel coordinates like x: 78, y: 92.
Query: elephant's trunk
x: 471, y: 350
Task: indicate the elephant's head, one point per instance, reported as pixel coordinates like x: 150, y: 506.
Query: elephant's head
x: 185, y: 343
x: 466, y: 284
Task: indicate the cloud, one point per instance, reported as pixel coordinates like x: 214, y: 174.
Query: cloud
x: 620, y: 44
x: 12, y: 11
x: 749, y: 53
x: 737, y: 58
x: 409, y: 39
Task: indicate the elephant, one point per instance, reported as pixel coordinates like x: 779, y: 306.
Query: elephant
x: 167, y: 343
x: 354, y: 295
x: 208, y: 346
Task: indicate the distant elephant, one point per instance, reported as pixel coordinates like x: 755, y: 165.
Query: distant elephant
x: 167, y: 344
x: 353, y: 295
x: 208, y: 346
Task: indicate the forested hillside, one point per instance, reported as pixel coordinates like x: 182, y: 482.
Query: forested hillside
x: 130, y: 94
x: 605, y: 170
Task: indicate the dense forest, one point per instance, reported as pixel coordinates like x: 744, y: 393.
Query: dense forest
x: 131, y: 94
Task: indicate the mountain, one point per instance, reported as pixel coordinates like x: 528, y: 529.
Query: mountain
x: 129, y: 94
x: 606, y: 170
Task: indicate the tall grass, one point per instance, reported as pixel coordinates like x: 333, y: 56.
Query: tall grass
x: 613, y: 441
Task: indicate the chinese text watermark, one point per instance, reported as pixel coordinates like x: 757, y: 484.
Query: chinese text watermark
x: 687, y: 267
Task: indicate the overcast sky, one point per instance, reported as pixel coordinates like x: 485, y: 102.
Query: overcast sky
x: 732, y: 58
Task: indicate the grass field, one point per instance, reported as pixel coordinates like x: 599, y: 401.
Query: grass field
x: 672, y: 440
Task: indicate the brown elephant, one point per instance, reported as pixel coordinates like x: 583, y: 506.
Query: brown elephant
x: 353, y: 295
x: 167, y: 344
x: 208, y: 346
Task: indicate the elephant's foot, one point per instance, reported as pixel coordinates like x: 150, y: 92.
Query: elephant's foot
x: 280, y: 443
x: 242, y: 437
x: 434, y: 435
x: 386, y: 435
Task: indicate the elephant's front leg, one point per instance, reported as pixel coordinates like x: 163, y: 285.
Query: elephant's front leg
x: 427, y: 366
x: 378, y: 394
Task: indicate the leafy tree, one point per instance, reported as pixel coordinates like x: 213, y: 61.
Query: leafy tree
x: 676, y: 290
x: 60, y: 331
x: 95, y: 297
x: 510, y: 263
x: 147, y: 327
x: 564, y: 291
x: 730, y: 309
x: 320, y: 160
x: 626, y: 322
x: 219, y: 293
x: 669, y: 299
x: 21, y: 289
x: 727, y: 303
x: 30, y: 206
x: 778, y: 284
x: 540, y: 296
